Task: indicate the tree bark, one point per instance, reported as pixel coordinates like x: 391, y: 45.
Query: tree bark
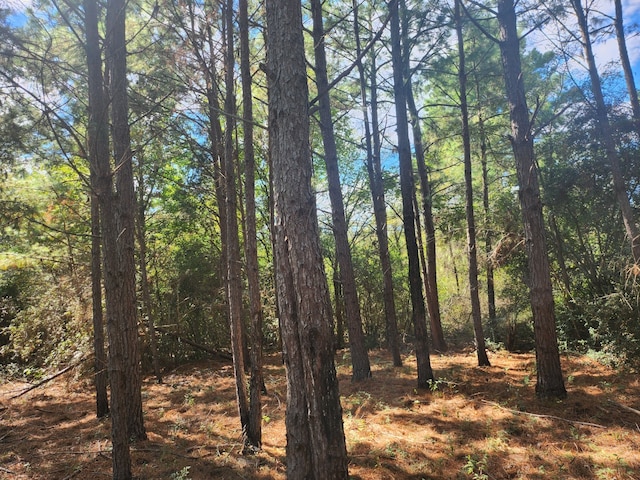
x: 316, y: 446
x: 425, y: 374
x: 254, y: 428
x: 101, y: 176
x: 431, y: 280
x: 606, y: 134
x: 431, y: 277
x: 98, y: 138
x: 474, y: 287
x: 234, y: 279
x: 339, y: 305
x: 125, y: 218
x: 550, y: 383
x: 361, y: 368
x: 488, y: 241
x: 374, y: 171
x: 101, y: 380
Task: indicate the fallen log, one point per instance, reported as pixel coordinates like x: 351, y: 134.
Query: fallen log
x: 52, y: 377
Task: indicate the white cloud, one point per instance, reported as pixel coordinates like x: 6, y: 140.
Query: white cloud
x: 605, y: 49
x: 16, y: 5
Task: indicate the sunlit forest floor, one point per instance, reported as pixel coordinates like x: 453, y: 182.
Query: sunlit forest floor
x: 477, y: 423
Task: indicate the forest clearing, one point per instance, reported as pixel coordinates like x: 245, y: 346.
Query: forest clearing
x: 476, y: 423
x: 181, y: 179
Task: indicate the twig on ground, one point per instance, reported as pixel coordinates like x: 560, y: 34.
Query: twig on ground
x: 169, y: 452
x: 48, y: 379
x: 6, y: 470
x: 73, y: 474
x: 540, y: 415
x: 624, y: 407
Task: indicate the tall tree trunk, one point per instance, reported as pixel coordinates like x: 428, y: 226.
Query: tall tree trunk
x: 425, y: 374
x: 549, y: 382
x: 98, y: 138
x: 431, y: 277
x: 101, y: 380
x: 316, y: 446
x: 474, y: 287
x: 606, y: 134
x: 431, y: 280
x: 234, y: 279
x: 125, y: 220
x: 488, y: 241
x: 374, y: 170
x: 141, y: 232
x: 254, y: 431
x: 626, y: 66
x: 359, y: 356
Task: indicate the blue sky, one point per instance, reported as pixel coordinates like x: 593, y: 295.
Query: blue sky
x: 605, y: 49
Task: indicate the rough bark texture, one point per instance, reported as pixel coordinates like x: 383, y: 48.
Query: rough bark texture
x: 315, y: 437
x: 606, y: 135
x: 359, y: 357
x: 101, y: 380
x: 256, y: 382
x: 425, y: 374
x: 117, y: 377
x: 550, y: 383
x: 127, y: 321
x: 234, y: 279
x: 474, y: 287
x: 338, y: 301
x: 98, y: 137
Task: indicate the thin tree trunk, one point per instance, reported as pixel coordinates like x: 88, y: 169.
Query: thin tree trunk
x: 626, y: 65
x: 374, y: 170
x: 141, y: 231
x: 425, y: 374
x: 602, y: 119
x: 234, y: 280
x: 564, y: 273
x: 431, y: 279
x: 359, y: 356
x: 101, y: 380
x: 431, y: 276
x: 254, y: 431
x: 488, y: 241
x: 550, y: 383
x: 316, y: 447
x: 474, y: 287
x: 339, y: 305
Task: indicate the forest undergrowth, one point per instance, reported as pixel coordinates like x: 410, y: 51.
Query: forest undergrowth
x: 475, y: 423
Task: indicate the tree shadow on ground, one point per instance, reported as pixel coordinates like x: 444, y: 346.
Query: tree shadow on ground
x: 474, y: 423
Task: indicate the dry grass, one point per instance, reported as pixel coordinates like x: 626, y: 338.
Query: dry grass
x: 477, y: 423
